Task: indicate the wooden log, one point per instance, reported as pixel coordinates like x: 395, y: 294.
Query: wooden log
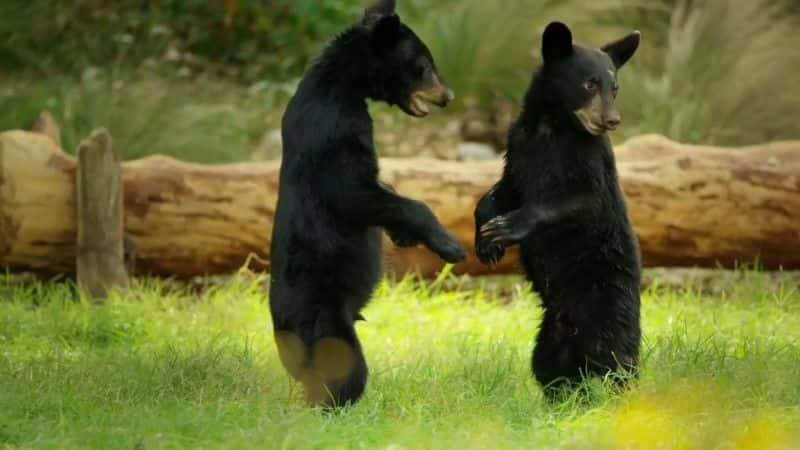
x: 46, y: 124
x: 703, y: 206
x: 100, y: 260
x: 37, y: 204
x: 690, y: 205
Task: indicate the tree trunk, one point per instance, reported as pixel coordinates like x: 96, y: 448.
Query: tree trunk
x: 690, y: 205
x: 100, y: 259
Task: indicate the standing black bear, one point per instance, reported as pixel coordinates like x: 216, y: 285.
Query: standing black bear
x: 326, y: 242
x: 559, y: 198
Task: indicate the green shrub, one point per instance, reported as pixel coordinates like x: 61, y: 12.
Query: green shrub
x: 717, y: 71
x: 242, y: 38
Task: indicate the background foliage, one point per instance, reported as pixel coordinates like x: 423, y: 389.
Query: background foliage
x: 203, y: 79
x: 234, y: 38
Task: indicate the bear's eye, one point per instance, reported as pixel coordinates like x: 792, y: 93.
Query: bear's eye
x: 591, y: 86
x: 421, y: 70
x: 615, y: 90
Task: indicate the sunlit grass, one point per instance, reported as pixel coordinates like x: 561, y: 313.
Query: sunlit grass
x: 165, y: 368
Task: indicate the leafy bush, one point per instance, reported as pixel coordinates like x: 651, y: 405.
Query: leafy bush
x: 246, y: 39
x: 170, y: 75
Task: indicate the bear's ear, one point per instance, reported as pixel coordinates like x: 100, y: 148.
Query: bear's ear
x: 623, y: 49
x: 381, y: 19
x: 556, y: 42
x: 379, y: 9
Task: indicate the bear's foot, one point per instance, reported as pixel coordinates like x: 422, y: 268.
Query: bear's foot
x: 332, y: 370
x: 569, y: 351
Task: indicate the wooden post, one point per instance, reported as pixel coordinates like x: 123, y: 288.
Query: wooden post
x: 100, y: 260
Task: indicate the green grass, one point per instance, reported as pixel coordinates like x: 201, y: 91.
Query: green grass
x: 164, y: 368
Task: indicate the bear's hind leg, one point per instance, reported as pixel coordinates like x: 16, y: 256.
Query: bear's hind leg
x: 326, y: 358
x: 556, y: 361
x: 579, y: 341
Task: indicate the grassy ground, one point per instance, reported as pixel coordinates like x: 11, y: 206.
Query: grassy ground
x: 160, y: 368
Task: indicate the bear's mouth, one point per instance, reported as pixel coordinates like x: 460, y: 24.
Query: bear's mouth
x: 418, y: 106
x: 591, y: 126
x: 418, y: 103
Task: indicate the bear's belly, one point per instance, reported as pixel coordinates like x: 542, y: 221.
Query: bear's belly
x: 558, y: 258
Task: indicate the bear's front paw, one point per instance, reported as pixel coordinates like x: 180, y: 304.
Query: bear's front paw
x: 489, y: 253
x: 402, y: 239
x: 501, y: 231
x: 448, y: 248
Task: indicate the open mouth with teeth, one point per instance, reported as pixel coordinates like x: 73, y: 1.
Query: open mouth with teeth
x: 418, y: 106
x: 420, y: 101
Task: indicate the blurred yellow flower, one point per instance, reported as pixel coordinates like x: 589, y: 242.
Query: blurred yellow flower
x: 765, y: 432
x: 644, y: 424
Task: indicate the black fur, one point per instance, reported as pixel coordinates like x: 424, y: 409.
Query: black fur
x: 326, y: 241
x: 560, y: 200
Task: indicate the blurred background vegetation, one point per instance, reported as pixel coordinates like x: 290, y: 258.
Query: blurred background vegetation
x: 206, y: 80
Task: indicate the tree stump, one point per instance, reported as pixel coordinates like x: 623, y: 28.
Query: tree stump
x: 100, y: 258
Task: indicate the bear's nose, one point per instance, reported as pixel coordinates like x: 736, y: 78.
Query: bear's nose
x: 613, y: 122
x: 445, y: 97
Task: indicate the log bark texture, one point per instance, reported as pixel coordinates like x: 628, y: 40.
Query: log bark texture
x: 690, y: 205
x: 100, y: 259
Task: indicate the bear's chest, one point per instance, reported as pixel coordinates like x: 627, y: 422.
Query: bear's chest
x: 555, y: 169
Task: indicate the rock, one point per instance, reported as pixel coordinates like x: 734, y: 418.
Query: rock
x: 503, y: 116
x: 475, y: 151
x: 477, y: 130
x: 475, y: 125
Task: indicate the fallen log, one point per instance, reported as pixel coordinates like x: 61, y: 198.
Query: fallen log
x: 690, y: 205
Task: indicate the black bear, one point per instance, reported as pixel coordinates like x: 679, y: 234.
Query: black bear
x: 560, y: 200
x: 326, y: 242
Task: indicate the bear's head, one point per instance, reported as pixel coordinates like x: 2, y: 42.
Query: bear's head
x: 583, y: 81
x: 402, y: 69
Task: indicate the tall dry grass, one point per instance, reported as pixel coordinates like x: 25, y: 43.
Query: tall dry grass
x: 716, y: 71
x: 726, y: 75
